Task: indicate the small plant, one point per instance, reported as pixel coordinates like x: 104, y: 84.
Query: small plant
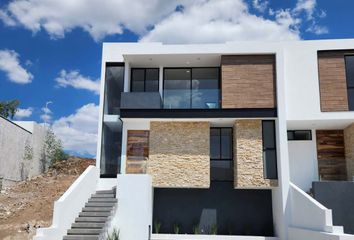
x: 214, y: 229
x: 176, y: 228
x: 196, y: 229
x: 114, y: 235
x: 157, y: 226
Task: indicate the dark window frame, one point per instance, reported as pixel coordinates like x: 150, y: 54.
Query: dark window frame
x: 191, y: 85
x: 346, y: 79
x: 131, y: 79
x: 297, y: 139
x: 109, y: 175
x: 265, y: 175
x: 232, y: 144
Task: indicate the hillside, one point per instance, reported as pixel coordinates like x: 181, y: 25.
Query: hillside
x: 29, y: 204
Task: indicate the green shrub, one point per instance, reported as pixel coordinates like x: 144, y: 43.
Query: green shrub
x: 114, y: 235
x: 157, y: 226
x: 176, y: 228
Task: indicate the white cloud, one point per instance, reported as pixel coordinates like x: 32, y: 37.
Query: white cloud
x: 76, y: 80
x: 308, y: 6
x: 46, y: 116
x: 318, y: 30
x: 10, y: 64
x: 23, y: 113
x: 260, y: 5
x: 219, y: 21
x: 98, y: 18
x: 78, y: 131
x: 198, y: 21
x: 7, y: 20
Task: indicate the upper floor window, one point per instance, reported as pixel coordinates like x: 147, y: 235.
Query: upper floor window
x: 299, y: 135
x: 144, y: 79
x: 349, y: 68
x: 191, y: 88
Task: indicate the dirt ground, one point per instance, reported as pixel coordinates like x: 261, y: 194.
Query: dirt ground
x: 28, y: 205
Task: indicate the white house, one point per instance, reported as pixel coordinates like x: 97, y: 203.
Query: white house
x: 218, y: 141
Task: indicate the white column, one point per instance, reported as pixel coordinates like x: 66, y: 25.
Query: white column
x: 280, y: 195
x: 126, y: 77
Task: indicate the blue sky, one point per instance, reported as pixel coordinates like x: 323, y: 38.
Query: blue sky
x: 51, y: 50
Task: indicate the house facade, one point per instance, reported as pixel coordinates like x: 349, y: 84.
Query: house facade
x: 225, y: 139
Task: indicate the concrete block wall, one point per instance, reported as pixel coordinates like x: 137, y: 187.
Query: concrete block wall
x: 179, y: 154
x: 14, y: 142
x: 248, y: 154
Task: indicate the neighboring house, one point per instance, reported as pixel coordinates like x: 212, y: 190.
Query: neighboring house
x: 21, y: 148
x: 220, y: 139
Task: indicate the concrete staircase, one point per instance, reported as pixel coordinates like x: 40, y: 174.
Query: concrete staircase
x: 90, y: 223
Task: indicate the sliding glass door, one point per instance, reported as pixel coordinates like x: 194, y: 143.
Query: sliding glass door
x: 186, y: 88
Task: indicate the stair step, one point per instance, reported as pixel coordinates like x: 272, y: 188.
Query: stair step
x: 91, y: 219
x: 81, y: 237
x: 94, y: 214
x: 105, y: 192
x: 80, y: 231
x: 100, y: 204
x: 108, y: 200
x: 87, y: 225
x: 103, y: 195
x: 97, y: 209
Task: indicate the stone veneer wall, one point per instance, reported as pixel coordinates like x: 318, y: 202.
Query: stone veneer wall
x: 248, y: 154
x: 333, y: 83
x: 349, y: 150
x: 179, y: 154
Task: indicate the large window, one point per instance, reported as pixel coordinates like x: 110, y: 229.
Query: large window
x: 114, y: 79
x: 145, y: 80
x: 221, y: 154
x: 112, y: 136
x: 197, y: 88
x: 349, y: 68
x: 269, y: 150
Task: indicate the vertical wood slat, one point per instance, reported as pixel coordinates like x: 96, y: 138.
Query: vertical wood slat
x: 331, y: 155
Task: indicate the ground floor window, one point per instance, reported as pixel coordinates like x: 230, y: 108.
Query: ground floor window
x: 221, y: 154
x: 269, y: 150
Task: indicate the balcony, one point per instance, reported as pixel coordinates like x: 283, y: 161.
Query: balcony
x: 140, y: 100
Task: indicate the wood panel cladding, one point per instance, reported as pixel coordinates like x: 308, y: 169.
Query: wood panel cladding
x: 248, y: 81
x: 137, y: 151
x: 331, y: 155
x: 332, y: 80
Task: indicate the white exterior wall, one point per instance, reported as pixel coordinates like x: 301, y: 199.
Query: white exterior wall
x: 302, y: 91
x: 133, y: 217
x: 303, y: 162
x: 298, y: 99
